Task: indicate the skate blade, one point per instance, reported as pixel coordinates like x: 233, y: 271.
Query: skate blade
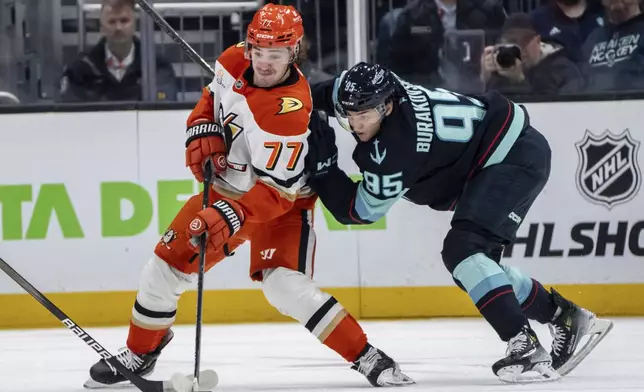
x: 394, y: 379
x: 596, y: 334
x: 208, y: 380
x: 541, y: 372
x: 91, y: 384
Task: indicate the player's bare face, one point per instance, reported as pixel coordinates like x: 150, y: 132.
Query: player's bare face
x: 365, y: 124
x: 270, y: 65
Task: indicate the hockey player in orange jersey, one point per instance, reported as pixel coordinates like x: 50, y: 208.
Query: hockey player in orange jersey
x: 255, y: 115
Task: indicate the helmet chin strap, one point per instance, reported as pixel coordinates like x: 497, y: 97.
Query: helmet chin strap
x: 286, y: 74
x: 294, y: 55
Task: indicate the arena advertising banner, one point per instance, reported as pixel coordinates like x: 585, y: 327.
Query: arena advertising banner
x: 85, y: 197
x: 588, y: 225
x: 90, y: 196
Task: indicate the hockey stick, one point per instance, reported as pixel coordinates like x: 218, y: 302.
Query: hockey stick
x: 203, y: 242
x: 141, y: 383
x: 178, y: 383
x: 165, y: 26
x: 208, y: 171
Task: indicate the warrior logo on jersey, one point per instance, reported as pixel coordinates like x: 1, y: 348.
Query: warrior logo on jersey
x: 608, y: 172
x: 289, y: 104
x: 169, y: 236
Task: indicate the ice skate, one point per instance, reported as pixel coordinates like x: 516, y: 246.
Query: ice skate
x: 380, y: 369
x: 103, y: 375
x: 568, y: 329
x: 524, y: 357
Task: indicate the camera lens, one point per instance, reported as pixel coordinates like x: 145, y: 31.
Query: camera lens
x: 506, y: 56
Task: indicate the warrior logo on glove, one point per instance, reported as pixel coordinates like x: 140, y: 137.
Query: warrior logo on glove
x: 221, y: 221
x: 233, y: 219
x: 195, y: 224
x: 205, y: 143
x: 221, y: 162
x: 202, y: 130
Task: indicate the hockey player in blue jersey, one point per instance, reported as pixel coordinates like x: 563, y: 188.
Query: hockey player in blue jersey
x: 477, y: 156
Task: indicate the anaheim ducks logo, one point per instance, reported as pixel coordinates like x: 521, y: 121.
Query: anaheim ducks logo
x: 290, y: 104
x: 169, y: 236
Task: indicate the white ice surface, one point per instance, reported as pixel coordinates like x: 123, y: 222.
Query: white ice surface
x: 442, y: 355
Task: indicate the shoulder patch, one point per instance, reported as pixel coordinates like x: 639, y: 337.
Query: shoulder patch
x: 289, y: 104
x: 241, y: 44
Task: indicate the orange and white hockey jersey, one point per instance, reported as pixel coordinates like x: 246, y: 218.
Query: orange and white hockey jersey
x: 267, y: 143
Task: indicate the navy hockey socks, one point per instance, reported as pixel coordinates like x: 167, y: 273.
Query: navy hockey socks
x: 540, y: 304
x: 536, y: 302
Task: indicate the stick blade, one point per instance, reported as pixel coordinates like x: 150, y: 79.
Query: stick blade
x: 208, y: 380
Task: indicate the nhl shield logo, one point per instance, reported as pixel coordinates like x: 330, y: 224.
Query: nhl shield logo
x: 608, y: 172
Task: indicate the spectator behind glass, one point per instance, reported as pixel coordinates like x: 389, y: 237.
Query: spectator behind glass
x: 410, y: 39
x: 312, y: 74
x: 613, y: 55
x: 111, y: 70
x: 569, y: 22
x: 524, y: 64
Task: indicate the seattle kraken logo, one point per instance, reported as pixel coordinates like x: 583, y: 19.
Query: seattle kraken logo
x: 378, y: 158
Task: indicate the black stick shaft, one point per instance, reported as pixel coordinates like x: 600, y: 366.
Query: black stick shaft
x: 165, y: 26
x: 208, y: 170
x: 194, y: 56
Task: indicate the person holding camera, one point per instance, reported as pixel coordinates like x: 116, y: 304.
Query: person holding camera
x: 410, y: 39
x: 524, y: 64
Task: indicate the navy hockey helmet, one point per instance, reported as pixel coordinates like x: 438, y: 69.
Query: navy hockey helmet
x: 365, y: 86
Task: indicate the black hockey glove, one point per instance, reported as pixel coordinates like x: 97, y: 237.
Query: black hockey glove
x: 323, y: 153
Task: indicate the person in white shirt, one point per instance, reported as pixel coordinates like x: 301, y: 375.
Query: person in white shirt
x: 111, y: 70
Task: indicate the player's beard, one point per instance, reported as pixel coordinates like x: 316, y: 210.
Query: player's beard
x: 271, y: 79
